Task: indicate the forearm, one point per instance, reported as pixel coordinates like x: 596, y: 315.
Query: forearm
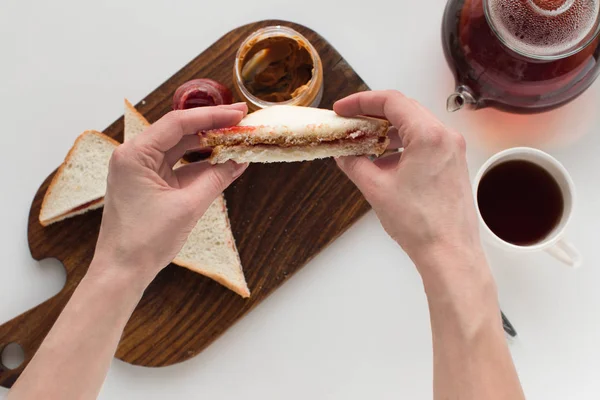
x: 471, y: 357
x: 74, y: 358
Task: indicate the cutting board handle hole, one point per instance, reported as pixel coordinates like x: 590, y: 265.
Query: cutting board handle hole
x: 54, y: 275
x: 12, y: 356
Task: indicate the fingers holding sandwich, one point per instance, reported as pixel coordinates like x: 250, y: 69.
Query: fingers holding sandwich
x: 390, y: 104
x: 423, y: 195
x: 361, y: 170
x: 413, y: 121
x: 153, y: 208
x: 195, y: 143
x: 167, y: 132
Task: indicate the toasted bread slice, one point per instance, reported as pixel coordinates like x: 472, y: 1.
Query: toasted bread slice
x: 79, y: 185
x: 294, y: 133
x: 210, y: 249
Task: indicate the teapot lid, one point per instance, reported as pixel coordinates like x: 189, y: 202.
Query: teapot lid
x: 544, y: 29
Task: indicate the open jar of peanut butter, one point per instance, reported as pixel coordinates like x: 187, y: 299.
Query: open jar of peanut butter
x: 277, y: 65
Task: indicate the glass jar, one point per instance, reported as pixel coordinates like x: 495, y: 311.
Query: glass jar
x: 266, y: 43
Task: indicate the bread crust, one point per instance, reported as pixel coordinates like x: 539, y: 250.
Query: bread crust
x: 134, y: 110
x: 58, y: 174
x: 93, y: 205
x: 242, y: 290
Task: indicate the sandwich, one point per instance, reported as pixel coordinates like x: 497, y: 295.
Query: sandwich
x: 292, y: 133
x: 79, y: 185
x: 210, y: 249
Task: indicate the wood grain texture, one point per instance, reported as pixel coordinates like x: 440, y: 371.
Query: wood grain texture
x: 282, y: 215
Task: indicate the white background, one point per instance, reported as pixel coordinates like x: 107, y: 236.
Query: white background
x: 353, y: 324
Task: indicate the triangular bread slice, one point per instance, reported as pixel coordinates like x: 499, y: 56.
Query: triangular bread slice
x: 79, y: 185
x: 210, y: 249
x: 292, y: 133
x: 135, y: 123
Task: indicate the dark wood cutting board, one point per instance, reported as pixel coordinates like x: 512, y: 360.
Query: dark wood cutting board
x: 282, y: 215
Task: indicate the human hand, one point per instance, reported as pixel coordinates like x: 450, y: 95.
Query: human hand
x: 150, y: 209
x: 423, y: 195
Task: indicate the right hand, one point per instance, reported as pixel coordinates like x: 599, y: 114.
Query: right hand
x: 422, y: 196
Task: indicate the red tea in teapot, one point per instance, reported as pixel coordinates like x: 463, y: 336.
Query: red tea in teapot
x: 521, y: 55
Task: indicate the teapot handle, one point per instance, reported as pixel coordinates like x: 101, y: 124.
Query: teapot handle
x: 463, y: 97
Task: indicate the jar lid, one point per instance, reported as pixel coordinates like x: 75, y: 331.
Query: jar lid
x: 544, y: 29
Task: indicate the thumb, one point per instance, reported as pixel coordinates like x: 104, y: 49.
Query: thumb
x: 360, y: 170
x: 205, y: 181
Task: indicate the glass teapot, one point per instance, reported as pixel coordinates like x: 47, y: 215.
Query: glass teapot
x: 521, y: 56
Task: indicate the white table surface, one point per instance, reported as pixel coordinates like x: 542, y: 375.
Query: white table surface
x: 340, y: 329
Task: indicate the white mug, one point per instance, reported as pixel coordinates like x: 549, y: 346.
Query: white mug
x: 554, y: 243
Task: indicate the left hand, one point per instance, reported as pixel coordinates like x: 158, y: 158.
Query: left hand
x: 150, y: 209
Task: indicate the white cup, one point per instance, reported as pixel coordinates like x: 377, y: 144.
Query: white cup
x: 554, y: 243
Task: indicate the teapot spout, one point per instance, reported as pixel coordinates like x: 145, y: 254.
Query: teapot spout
x: 461, y: 98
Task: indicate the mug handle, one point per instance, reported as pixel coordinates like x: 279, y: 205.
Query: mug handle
x: 565, y: 252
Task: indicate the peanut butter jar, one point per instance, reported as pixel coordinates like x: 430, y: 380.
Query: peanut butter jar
x: 277, y: 65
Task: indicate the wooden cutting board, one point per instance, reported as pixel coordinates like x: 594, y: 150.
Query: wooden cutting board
x: 282, y: 215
